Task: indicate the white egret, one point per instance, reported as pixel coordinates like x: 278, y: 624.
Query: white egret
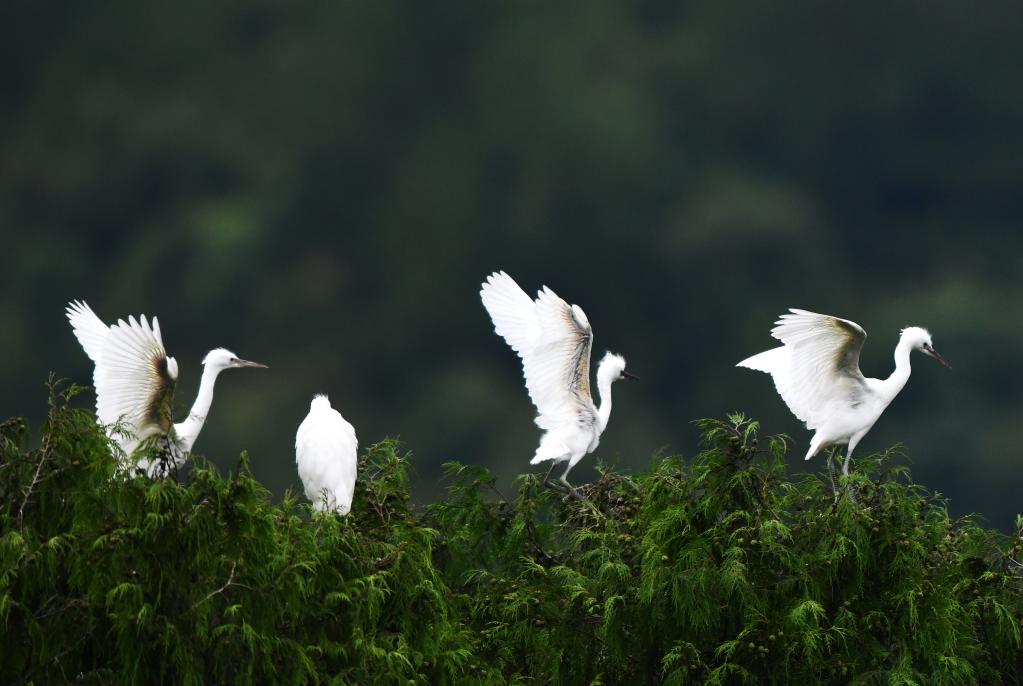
x: 554, y: 341
x: 326, y: 452
x: 817, y: 373
x: 134, y: 380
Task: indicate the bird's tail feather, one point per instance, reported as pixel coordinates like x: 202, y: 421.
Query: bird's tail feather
x: 549, y: 452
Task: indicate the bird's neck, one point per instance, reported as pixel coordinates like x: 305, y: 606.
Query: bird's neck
x: 898, y: 378
x: 188, y: 430
x: 604, y: 410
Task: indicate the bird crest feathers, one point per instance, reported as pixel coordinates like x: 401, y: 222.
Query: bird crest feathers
x: 916, y: 330
x: 612, y: 361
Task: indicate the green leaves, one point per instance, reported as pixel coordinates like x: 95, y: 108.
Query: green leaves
x: 120, y: 578
x: 720, y: 569
x: 728, y: 570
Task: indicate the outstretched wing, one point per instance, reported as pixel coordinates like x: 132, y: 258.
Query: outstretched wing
x: 554, y: 341
x: 135, y: 379
x: 89, y: 329
x: 818, y: 367
x: 512, y: 311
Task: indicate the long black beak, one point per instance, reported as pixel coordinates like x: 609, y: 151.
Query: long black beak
x: 629, y: 377
x: 934, y: 353
x: 249, y: 363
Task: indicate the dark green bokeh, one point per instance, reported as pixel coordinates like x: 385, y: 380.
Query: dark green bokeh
x: 322, y: 188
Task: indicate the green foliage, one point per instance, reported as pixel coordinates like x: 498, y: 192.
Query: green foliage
x: 722, y: 569
x: 106, y: 578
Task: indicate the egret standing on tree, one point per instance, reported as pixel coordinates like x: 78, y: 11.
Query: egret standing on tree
x: 554, y: 341
x: 326, y: 452
x: 135, y: 378
x: 817, y: 373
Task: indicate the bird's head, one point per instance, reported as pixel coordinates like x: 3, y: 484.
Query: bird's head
x: 920, y: 339
x: 320, y: 401
x: 222, y: 358
x: 612, y: 368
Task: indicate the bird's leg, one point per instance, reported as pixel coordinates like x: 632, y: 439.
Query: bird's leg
x: 550, y: 484
x: 845, y: 472
x: 831, y: 472
x: 555, y: 486
x: 571, y: 490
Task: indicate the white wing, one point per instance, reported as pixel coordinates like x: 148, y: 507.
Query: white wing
x: 89, y: 329
x: 817, y: 370
x: 326, y: 451
x: 554, y: 341
x: 135, y: 379
x: 512, y: 311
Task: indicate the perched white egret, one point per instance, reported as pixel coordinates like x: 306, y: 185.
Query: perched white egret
x: 554, y: 341
x: 326, y: 452
x: 134, y: 379
x: 817, y: 373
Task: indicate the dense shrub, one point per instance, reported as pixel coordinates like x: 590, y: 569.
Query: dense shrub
x: 721, y: 569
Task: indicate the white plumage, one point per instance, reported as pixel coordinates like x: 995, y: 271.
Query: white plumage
x: 326, y: 452
x: 817, y: 373
x: 134, y: 380
x: 554, y: 341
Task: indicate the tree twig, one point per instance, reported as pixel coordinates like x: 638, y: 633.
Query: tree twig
x: 228, y: 584
x: 45, y: 452
x: 536, y: 543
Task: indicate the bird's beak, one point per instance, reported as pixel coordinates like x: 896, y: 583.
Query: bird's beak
x: 249, y: 363
x: 934, y: 353
x: 629, y: 377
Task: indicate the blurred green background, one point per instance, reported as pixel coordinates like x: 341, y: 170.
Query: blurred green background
x: 323, y: 186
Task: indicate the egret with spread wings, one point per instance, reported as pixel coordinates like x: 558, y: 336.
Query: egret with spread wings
x: 817, y: 373
x: 554, y: 340
x: 134, y: 379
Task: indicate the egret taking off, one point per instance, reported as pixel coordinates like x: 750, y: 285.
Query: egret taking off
x: 817, y: 373
x: 326, y: 452
x: 134, y: 379
x: 554, y: 340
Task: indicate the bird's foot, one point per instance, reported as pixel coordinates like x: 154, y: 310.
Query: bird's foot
x: 555, y: 485
x: 576, y: 494
x: 565, y: 488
